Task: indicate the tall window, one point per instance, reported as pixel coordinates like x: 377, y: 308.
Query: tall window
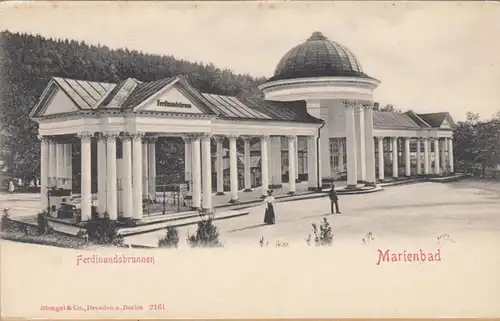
x: 337, y: 150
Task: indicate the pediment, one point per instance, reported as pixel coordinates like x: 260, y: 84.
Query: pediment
x: 172, y: 99
x: 445, y: 124
x: 58, y: 103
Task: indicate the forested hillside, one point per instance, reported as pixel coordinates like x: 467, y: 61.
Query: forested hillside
x: 27, y: 62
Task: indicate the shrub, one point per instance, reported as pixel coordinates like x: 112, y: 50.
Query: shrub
x: 6, y: 223
x: 207, y: 234
x: 43, y: 224
x: 323, y: 237
x: 281, y: 243
x: 104, y: 231
x: 171, y: 239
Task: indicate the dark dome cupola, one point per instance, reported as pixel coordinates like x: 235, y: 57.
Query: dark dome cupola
x: 318, y: 56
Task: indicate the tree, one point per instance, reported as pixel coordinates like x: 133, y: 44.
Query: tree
x: 27, y: 62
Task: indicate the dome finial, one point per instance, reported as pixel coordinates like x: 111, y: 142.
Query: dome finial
x: 317, y: 35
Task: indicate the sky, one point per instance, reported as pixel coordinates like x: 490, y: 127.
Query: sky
x: 429, y: 56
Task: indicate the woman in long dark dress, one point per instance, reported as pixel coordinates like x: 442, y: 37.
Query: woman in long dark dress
x: 269, y: 202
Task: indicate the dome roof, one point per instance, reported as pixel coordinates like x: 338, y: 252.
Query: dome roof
x: 318, y: 56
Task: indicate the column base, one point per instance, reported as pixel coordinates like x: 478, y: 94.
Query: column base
x: 351, y: 187
x: 395, y: 178
x: 274, y: 186
x: 194, y: 208
x: 233, y: 201
x: 220, y: 193
x: 247, y: 190
x: 263, y: 196
x: 312, y: 189
x: 206, y: 211
x: 370, y: 184
x: 290, y: 193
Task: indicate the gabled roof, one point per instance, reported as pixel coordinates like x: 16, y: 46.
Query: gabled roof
x: 390, y: 120
x: 83, y: 93
x: 115, y: 97
x: 245, y: 108
x: 435, y: 120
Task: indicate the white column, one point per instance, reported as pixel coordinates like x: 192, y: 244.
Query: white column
x: 152, y: 167
x: 370, y: 178
x: 341, y: 154
x: 264, y: 164
x: 64, y: 161
x: 137, y: 176
x: 292, y: 160
x: 59, y: 165
x: 359, y: 114
x: 407, y: 158
x: 207, y: 172
x: 86, y: 173
x: 426, y: 156
x: 450, y: 155
x: 442, y: 146
x: 145, y: 163
x: 381, y: 166
x: 419, y: 157
x: 233, y: 168
x: 196, y: 171
x: 69, y: 165
x: 312, y: 166
x: 128, y: 204
x: 219, y: 163
x: 101, y: 175
x: 111, y: 180
x: 187, y: 159
x: 276, y: 160
x: 437, y: 168
x: 44, y: 171
x: 352, y: 167
x: 395, y: 165
x: 248, y: 177
x: 52, y: 163
x: 296, y: 146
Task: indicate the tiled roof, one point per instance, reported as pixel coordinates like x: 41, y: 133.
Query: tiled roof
x: 435, y: 119
x: 236, y: 107
x: 119, y: 94
x: 83, y: 93
x: 144, y: 90
x: 390, y: 120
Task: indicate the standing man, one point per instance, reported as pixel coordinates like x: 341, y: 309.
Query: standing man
x: 334, y: 200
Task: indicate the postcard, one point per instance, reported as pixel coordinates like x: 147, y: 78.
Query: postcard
x: 219, y: 160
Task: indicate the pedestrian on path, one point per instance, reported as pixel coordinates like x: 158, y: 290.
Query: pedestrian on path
x: 269, y: 201
x: 334, y: 200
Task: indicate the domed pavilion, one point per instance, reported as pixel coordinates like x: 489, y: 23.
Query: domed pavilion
x: 315, y: 123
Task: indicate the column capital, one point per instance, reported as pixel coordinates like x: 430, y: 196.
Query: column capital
x: 109, y: 136
x: 206, y: 136
x: 380, y: 137
x: 367, y: 106
x: 349, y: 103
x: 85, y: 136
x: 246, y: 138
x: 44, y: 139
x: 233, y: 136
x: 137, y: 136
x: 126, y: 136
x: 149, y: 139
x: 291, y: 137
x: 219, y: 138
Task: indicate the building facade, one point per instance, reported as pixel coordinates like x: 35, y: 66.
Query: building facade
x: 316, y: 117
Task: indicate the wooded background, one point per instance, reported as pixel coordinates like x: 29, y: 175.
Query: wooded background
x: 27, y: 62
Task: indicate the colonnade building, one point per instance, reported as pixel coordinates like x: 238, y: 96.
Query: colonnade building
x: 319, y: 98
